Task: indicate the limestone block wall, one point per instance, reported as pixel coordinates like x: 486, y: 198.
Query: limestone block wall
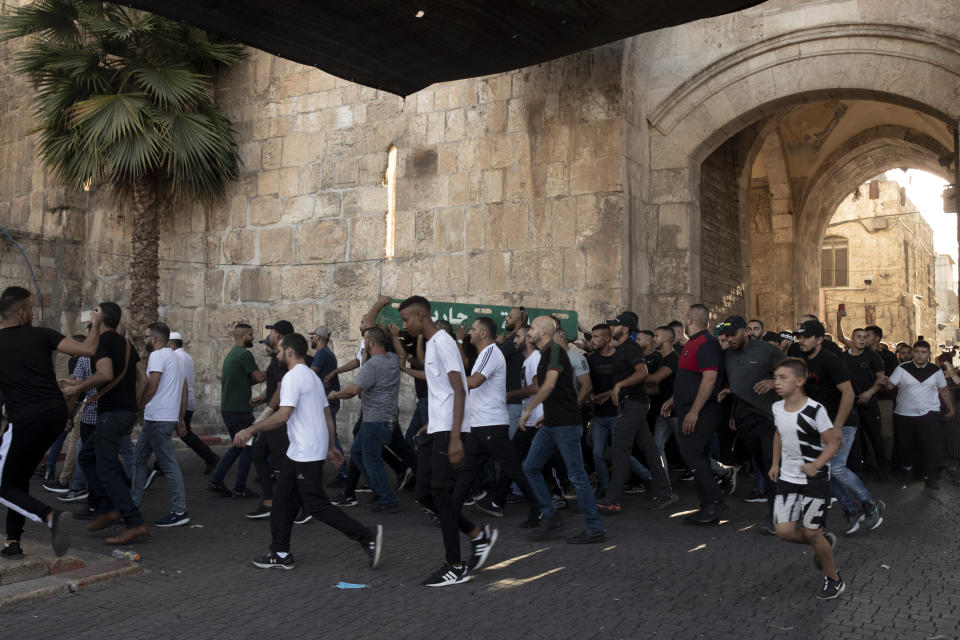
x: 508, y: 191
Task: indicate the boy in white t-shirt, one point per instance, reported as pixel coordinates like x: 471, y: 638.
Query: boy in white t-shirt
x: 304, y: 409
x: 803, y: 445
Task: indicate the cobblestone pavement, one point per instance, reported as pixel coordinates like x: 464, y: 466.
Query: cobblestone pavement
x: 654, y: 578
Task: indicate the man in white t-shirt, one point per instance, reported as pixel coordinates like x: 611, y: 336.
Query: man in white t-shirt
x: 164, y: 403
x: 489, y: 437
x: 441, y: 450
x: 916, y: 417
x: 305, y: 411
x: 191, y: 439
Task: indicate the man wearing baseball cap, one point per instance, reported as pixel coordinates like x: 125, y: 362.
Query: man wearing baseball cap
x: 191, y: 439
x: 748, y: 365
x: 828, y: 382
x: 323, y: 364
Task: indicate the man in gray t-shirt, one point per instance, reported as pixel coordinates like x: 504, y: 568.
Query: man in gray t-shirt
x: 748, y: 368
x: 379, y: 383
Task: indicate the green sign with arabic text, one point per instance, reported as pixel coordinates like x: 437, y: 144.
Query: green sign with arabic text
x: 457, y: 313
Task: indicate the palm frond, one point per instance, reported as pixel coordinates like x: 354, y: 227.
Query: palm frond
x: 52, y: 19
x: 107, y: 118
x: 175, y: 86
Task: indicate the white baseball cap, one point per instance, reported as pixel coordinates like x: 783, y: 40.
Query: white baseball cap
x: 176, y: 336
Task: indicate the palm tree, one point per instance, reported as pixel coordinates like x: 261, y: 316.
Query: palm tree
x: 124, y: 100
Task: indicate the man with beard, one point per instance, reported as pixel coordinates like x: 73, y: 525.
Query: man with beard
x: 517, y: 319
x: 304, y: 410
x: 36, y: 410
x: 238, y: 374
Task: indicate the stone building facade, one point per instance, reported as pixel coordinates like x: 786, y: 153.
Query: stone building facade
x: 887, y: 260
x: 701, y: 162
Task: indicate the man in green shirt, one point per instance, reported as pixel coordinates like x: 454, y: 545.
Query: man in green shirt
x: 239, y: 373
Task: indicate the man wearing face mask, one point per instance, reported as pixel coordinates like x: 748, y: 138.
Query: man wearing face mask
x: 239, y: 373
x: 37, y: 413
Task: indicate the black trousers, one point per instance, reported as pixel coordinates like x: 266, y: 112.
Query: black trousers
x: 756, y: 432
x: 870, y: 431
x: 300, y: 484
x: 521, y: 446
x: 695, y: 450
x: 918, y: 439
x: 22, y: 447
x: 485, y: 444
x: 270, y: 446
x: 632, y: 429
x: 436, y: 481
x: 193, y: 441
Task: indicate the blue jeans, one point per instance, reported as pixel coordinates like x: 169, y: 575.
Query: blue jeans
x: 235, y: 421
x: 566, y: 440
x: 54, y: 453
x: 367, y: 452
x: 419, y: 418
x: 845, y: 484
x: 105, y: 480
x: 602, y: 431
x: 157, y: 438
x: 514, y: 411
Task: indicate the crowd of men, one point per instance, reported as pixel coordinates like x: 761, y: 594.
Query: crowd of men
x: 523, y: 415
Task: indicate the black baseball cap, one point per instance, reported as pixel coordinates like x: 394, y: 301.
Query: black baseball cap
x: 810, y: 328
x: 625, y: 319
x: 731, y: 325
x: 773, y: 336
x: 282, y: 327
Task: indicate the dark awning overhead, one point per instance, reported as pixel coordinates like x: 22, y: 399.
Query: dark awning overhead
x: 383, y: 44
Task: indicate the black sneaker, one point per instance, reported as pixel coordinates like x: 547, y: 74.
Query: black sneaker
x: 211, y: 465
x: 588, y: 536
x: 173, y: 519
x: 245, y: 493
x: 831, y: 588
x: 710, y: 515
x: 482, y: 547
x: 54, y: 486
x: 767, y: 526
x: 11, y: 551
x: 687, y: 476
x: 832, y: 539
x: 262, y: 511
x: 220, y: 488
x: 549, y: 529
x: 532, y: 521
x: 86, y: 513
x: 489, y: 507
x: 635, y: 488
x: 854, y: 518
x: 343, y: 500
x: 303, y: 517
x: 381, y: 507
x: 756, y: 496
x: 273, y: 561
x: 374, y: 546
x: 514, y: 498
x: 338, y: 482
x: 663, y: 502
x: 728, y: 480
x: 448, y: 575
x: 74, y: 495
x: 480, y: 495
x: 60, y: 532
x: 872, y: 515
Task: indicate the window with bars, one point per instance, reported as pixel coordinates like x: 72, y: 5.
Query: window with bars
x: 834, y: 261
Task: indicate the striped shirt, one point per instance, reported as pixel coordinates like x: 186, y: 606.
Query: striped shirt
x: 488, y: 402
x: 82, y: 371
x: 800, y: 439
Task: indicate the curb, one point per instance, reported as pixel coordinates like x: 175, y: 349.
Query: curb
x: 65, y: 582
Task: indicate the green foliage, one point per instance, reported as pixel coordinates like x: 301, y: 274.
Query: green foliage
x: 125, y: 97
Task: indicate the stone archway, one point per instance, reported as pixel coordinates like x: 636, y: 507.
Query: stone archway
x: 921, y: 71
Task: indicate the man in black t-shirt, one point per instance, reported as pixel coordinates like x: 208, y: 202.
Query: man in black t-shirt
x: 560, y: 432
x: 36, y: 411
x: 516, y: 320
x: 866, y: 373
x: 602, y: 363
x: 664, y: 427
x: 630, y: 371
x: 828, y: 382
x: 115, y: 369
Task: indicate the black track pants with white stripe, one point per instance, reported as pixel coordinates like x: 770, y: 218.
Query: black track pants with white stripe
x: 21, y: 450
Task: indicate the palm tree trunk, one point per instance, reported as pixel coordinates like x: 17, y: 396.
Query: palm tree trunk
x: 145, y: 264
